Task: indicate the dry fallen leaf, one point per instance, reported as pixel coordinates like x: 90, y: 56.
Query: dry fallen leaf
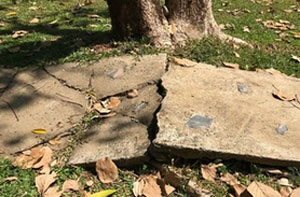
x: 286, y: 191
x: 147, y: 186
x: 107, y: 170
x: 239, y: 189
x: 209, y: 171
x: 53, y: 22
x: 297, y: 59
x: 229, y: 179
x: 169, y: 189
x: 257, y: 189
x: 103, y: 193
x: 284, y: 182
x: 90, y: 183
x: 18, y: 34
x: 132, y: 93
x: 45, y: 161
x: 246, y: 29
x: 12, y: 178
x: 70, y: 185
x: 113, y: 102
x: 231, y: 65
x: 33, y: 8
x: 283, y: 96
x: 34, y: 21
x: 39, y: 131
x: 27, y: 161
x: 55, y: 140
x: 184, y: 62
x: 236, y: 54
x: 172, y: 29
x: 2, y: 24
x: 11, y: 14
x: 43, y: 182
x: 296, y: 192
x: 93, y: 16
x: 53, y: 192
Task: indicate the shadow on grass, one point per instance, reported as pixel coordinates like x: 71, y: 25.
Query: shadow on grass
x: 49, y: 52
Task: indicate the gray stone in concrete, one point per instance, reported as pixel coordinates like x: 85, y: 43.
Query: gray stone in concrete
x: 113, y: 75
x: 36, y: 100
x: 244, y: 123
x: 119, y: 138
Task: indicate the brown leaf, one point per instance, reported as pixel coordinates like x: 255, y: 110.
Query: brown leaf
x: 257, y: 189
x: 2, y: 24
x: 93, y: 16
x: 70, y: 185
x: 34, y: 21
x: 12, y: 178
x: 297, y: 59
x: 286, y: 191
x: 27, y: 161
x: 90, y: 183
x: 184, y: 62
x: 147, y: 186
x: 209, y: 171
x: 283, y: 96
x: 18, y: 34
x: 53, y: 192
x: 239, y: 189
x: 231, y: 65
x: 1, y: 41
x: 55, y: 140
x: 296, y: 192
x: 236, y: 54
x: 169, y: 189
x: 42, y: 182
x: 33, y: 8
x: 45, y: 161
x: 284, y: 182
x: 132, y: 93
x: 229, y: 179
x: 113, y: 102
x: 107, y: 170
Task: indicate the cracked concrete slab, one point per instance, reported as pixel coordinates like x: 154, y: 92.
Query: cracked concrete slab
x: 219, y: 112
x: 120, y: 138
x: 37, y: 100
x: 112, y: 76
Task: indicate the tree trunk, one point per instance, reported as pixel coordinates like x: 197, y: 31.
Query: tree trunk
x: 179, y: 21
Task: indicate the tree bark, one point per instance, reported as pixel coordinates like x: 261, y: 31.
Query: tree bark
x: 185, y: 19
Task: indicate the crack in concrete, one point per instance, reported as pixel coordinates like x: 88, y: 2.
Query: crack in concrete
x: 62, y: 81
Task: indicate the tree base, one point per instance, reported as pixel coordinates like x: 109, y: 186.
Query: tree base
x: 181, y: 20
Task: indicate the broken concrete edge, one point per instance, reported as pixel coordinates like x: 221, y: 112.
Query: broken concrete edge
x: 192, y: 153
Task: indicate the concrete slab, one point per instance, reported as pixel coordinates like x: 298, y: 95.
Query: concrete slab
x: 36, y: 100
x: 219, y: 112
x: 112, y: 76
x: 119, y: 138
x: 6, y: 76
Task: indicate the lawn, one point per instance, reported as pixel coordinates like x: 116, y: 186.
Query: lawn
x: 49, y: 32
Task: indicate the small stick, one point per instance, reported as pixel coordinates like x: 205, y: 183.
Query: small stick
x: 12, y: 109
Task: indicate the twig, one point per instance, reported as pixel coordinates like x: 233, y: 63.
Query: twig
x: 12, y: 109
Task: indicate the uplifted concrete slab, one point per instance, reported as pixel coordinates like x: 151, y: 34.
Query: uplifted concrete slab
x: 112, y: 76
x: 219, y: 112
x: 36, y: 100
x: 120, y: 138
